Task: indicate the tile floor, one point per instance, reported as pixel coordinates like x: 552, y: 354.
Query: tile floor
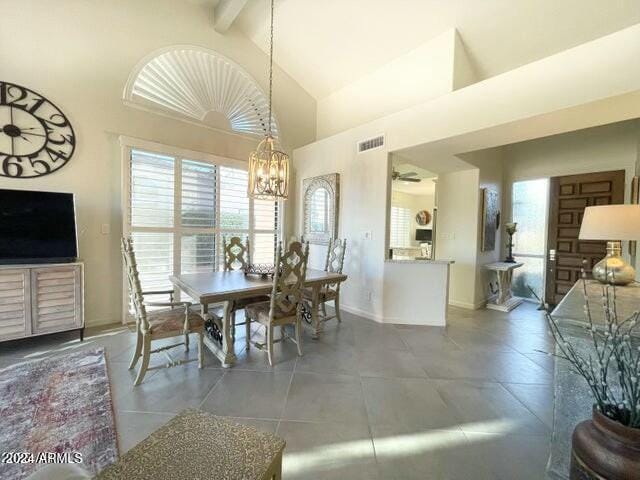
x: 366, y: 401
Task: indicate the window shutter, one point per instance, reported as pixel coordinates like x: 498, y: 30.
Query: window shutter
x: 152, y: 190
x: 198, y: 194
x: 234, y: 203
x: 400, y: 220
x: 265, y: 214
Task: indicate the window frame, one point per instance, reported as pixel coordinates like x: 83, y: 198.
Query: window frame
x: 127, y: 146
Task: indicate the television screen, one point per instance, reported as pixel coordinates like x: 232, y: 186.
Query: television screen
x: 37, y: 227
x: 423, y: 235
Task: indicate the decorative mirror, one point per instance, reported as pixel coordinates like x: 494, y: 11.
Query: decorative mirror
x: 320, y: 206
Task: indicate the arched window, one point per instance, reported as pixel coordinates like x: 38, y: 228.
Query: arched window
x: 200, y: 85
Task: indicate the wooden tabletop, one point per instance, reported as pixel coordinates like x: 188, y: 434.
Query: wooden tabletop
x: 212, y: 287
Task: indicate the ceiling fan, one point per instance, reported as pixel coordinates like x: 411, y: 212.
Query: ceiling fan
x: 405, y: 177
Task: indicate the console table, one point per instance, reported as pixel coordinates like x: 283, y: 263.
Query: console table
x: 572, y: 398
x: 41, y: 299
x: 503, y: 301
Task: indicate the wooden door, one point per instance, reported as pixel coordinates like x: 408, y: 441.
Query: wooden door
x: 56, y: 297
x: 15, y: 307
x: 568, y: 197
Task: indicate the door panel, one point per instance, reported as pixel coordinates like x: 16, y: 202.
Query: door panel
x: 568, y: 197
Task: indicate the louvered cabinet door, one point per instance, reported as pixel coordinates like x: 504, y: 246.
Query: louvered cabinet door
x: 15, y: 308
x: 56, y: 298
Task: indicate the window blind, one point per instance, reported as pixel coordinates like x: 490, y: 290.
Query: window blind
x: 400, y: 221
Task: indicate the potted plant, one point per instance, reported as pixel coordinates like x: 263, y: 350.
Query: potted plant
x: 608, y: 445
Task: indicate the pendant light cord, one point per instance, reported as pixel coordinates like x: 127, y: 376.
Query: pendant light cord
x: 271, y: 65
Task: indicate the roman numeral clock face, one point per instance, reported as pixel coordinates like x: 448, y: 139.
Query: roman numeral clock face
x: 35, y: 137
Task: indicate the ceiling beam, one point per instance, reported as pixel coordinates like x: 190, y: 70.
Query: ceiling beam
x: 225, y: 13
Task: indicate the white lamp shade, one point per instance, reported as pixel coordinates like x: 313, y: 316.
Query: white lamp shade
x: 611, y: 222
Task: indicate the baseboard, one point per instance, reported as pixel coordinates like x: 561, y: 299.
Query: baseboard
x: 362, y: 313
x: 468, y: 306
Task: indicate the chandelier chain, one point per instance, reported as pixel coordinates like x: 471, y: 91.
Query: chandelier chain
x: 271, y: 65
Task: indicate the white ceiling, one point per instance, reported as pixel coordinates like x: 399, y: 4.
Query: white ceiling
x: 327, y: 44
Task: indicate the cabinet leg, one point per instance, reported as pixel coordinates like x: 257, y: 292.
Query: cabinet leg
x: 82, y: 334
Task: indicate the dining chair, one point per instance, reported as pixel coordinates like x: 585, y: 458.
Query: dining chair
x: 334, y: 263
x: 237, y: 256
x: 174, y: 321
x: 285, y: 302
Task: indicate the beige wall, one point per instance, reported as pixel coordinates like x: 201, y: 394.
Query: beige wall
x: 457, y: 232
x: 79, y: 53
x: 423, y: 73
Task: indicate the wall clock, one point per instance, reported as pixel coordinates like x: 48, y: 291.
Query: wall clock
x: 35, y: 136
x: 423, y: 217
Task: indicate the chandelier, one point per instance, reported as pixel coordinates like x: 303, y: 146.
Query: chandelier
x: 268, y: 165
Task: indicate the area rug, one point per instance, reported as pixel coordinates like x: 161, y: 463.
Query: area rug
x: 58, y: 405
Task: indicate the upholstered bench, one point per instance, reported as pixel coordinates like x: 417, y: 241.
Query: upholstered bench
x: 197, y: 445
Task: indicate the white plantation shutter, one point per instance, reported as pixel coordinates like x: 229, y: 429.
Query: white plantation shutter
x: 265, y: 214
x: 179, y: 210
x: 399, y: 235
x: 198, y: 194
x: 234, y: 203
x: 154, y: 256
x: 152, y: 184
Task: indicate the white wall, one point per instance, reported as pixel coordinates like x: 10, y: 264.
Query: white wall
x: 457, y: 232
x: 433, y: 69
x: 79, y: 54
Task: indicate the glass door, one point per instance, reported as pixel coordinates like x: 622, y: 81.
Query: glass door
x: 529, y: 207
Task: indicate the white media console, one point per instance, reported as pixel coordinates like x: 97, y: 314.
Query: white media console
x: 41, y: 299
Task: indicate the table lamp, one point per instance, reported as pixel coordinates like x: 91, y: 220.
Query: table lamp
x: 607, y: 222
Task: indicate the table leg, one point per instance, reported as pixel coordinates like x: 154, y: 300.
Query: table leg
x: 226, y: 354
x: 228, y: 347
x: 315, y: 318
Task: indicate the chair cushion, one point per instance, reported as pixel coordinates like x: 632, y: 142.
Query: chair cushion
x: 165, y: 321
x: 243, y: 302
x: 326, y: 294
x: 260, y: 312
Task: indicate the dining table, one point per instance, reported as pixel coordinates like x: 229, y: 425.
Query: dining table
x: 225, y: 288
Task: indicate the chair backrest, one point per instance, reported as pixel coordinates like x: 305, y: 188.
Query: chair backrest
x: 133, y: 279
x: 335, y: 256
x: 236, y: 255
x: 289, y: 277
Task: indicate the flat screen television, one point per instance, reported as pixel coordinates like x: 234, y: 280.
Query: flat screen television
x: 424, y: 235
x: 37, y: 227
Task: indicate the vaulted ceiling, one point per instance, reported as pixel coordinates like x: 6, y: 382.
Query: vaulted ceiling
x: 327, y: 44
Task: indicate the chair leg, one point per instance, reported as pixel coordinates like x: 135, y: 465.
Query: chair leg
x: 201, y: 350
x: 323, y: 305
x: 146, y: 355
x: 336, y: 304
x: 247, y: 326
x: 186, y: 342
x: 299, y: 335
x: 270, y: 344
x: 136, y: 354
x: 233, y: 326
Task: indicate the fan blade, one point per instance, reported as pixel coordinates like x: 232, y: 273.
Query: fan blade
x: 415, y: 180
x: 409, y: 174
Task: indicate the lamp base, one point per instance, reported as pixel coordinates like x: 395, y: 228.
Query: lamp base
x: 613, y: 269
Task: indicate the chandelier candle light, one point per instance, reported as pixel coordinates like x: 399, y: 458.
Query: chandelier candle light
x: 268, y: 165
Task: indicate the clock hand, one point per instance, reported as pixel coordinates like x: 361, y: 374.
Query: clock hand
x: 32, y: 134
x: 11, y: 122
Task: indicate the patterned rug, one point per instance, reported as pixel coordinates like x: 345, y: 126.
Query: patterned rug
x: 62, y: 405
